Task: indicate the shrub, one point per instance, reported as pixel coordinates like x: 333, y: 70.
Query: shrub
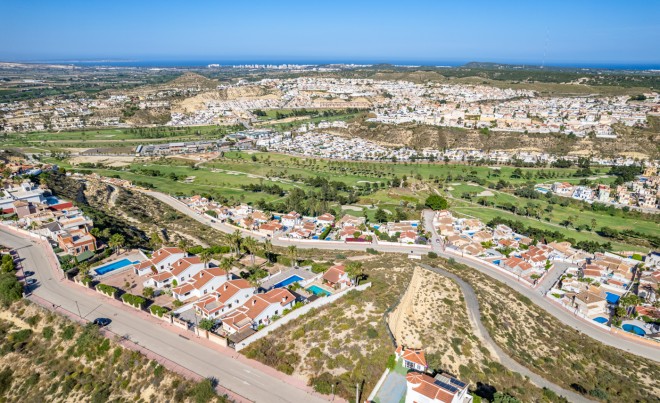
x: 48, y: 332
x: 148, y: 292
x: 433, y: 255
x: 6, y: 378
x: 107, y: 289
x: 372, y: 333
x: 206, y: 324
x: 10, y: 289
x: 372, y: 251
x: 133, y: 300
x: 68, y: 332
x: 177, y: 303
x: 158, y: 310
x: 391, y: 362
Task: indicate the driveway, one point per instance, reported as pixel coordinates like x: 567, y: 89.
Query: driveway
x: 393, y: 388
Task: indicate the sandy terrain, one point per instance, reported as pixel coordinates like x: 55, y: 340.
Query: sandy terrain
x: 432, y: 316
x: 109, y: 161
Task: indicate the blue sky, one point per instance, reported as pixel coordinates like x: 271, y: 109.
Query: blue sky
x: 534, y: 31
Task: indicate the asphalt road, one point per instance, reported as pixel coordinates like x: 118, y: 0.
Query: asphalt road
x: 475, y: 317
x: 537, y: 297
x: 232, y: 374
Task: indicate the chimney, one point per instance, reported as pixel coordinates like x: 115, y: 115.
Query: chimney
x: 283, y: 299
x: 254, y: 302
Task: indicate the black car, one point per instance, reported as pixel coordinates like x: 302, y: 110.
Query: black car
x: 28, y: 273
x: 30, y: 281
x: 101, y: 322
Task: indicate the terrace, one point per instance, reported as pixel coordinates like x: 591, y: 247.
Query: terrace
x: 286, y: 277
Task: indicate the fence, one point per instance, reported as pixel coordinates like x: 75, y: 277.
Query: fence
x: 296, y: 314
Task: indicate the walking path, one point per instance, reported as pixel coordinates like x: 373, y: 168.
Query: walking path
x: 474, y: 315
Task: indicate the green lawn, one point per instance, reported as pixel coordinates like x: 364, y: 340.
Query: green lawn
x: 487, y: 214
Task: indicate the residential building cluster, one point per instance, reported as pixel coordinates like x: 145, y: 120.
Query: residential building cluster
x: 643, y: 192
x: 37, y: 210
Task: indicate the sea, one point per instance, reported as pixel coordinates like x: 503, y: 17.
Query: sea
x: 154, y: 63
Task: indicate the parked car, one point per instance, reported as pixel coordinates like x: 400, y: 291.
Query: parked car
x: 30, y: 281
x: 28, y: 273
x: 101, y: 322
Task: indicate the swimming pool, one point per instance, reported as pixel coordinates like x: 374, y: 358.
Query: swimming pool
x: 600, y: 319
x: 634, y: 329
x: 316, y: 290
x: 113, y: 266
x: 288, y: 281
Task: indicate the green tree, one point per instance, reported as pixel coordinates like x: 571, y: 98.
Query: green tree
x: 116, y: 242
x: 268, y: 249
x: 206, y: 324
x: 235, y: 240
x: 250, y: 244
x: 380, y: 216
x: 292, y: 253
x: 355, y: 271
x: 205, y: 256
x: 436, y: 202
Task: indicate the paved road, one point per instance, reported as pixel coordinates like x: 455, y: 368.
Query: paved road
x: 475, y: 317
x: 594, y: 331
x: 182, y: 207
x: 231, y: 373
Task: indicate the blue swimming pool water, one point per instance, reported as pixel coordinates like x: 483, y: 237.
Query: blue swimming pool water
x: 600, y: 319
x: 288, y: 281
x: 113, y: 266
x: 634, y: 329
x: 316, y: 290
x: 497, y: 262
x: 52, y: 200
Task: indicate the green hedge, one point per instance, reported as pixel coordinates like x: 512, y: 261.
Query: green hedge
x: 158, y: 310
x: 133, y: 300
x: 107, y: 289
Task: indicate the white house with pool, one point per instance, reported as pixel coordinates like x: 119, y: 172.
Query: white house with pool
x: 119, y: 265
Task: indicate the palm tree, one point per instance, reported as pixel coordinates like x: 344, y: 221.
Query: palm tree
x: 184, y: 243
x: 250, y: 245
x: 205, y: 256
x: 226, y: 263
x: 235, y: 240
x: 292, y: 253
x: 354, y: 270
x: 116, y: 242
x: 268, y: 248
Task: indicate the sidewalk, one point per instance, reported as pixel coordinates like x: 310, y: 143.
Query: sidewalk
x: 59, y: 277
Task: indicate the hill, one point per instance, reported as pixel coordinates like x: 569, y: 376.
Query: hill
x: 635, y: 142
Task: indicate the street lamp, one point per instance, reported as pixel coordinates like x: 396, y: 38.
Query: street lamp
x: 78, y: 309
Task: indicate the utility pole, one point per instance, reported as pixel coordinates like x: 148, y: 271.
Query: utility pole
x: 357, y: 392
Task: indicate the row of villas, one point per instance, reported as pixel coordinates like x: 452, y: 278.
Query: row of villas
x: 503, y: 247
x: 44, y: 214
x: 595, y: 287
x: 296, y: 226
x: 213, y: 292
x: 643, y: 192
